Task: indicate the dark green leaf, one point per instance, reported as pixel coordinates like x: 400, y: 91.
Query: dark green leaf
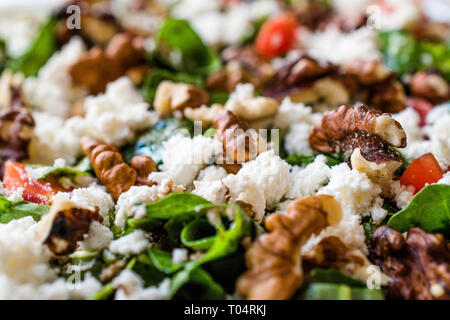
x: 399, y: 50
x: 42, y: 48
x: 428, y: 210
x: 199, y: 234
x: 176, y: 204
x: 333, y: 291
x: 162, y: 260
x: 15, y: 210
x: 302, y: 159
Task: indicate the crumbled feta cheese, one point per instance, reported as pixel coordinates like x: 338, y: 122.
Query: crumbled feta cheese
x: 90, y: 198
x: 132, y: 243
x: 98, y: 237
x: 16, y: 195
x: 306, y: 181
x: 402, y: 194
x: 353, y: 189
x: 180, y: 255
x: 270, y: 173
x: 212, y: 173
x: 51, y: 91
x: 340, y: 48
x: 208, y: 189
x: 130, y: 286
x: 183, y: 157
x: 445, y: 179
x: 297, y: 138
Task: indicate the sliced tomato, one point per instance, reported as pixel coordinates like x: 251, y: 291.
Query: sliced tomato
x: 421, y: 171
x: 16, y: 176
x: 384, y: 6
x: 422, y: 107
x: 277, y: 36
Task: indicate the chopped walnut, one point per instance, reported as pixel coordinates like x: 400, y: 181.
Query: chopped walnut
x: 144, y: 165
x: 387, y: 96
x: 331, y: 252
x: 109, y: 166
x: 98, y: 67
x: 203, y: 113
x: 368, y: 72
x: 274, y: 261
x: 98, y: 24
x: 242, y: 65
x: 11, y: 95
x: 253, y: 108
x: 431, y: 86
x: 65, y: 225
x: 171, y: 96
x: 112, y: 270
x: 365, y: 136
x: 239, y: 144
x: 16, y: 132
x: 419, y: 265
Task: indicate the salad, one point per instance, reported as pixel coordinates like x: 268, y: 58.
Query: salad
x: 225, y: 149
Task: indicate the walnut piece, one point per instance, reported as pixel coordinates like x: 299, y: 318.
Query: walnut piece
x: 172, y: 96
x: 109, y: 166
x: 65, y: 225
x: 365, y: 136
x: 203, y: 113
x: 387, y: 96
x: 16, y: 132
x: 431, y: 86
x: 419, y: 265
x: 98, y: 67
x: 239, y: 144
x: 274, y: 261
x: 253, y: 108
x: 144, y: 165
x: 368, y: 72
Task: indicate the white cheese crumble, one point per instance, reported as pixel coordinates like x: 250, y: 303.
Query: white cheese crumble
x: 183, y: 157
x: 98, y: 237
x: 132, y: 243
x: 180, y: 255
x: 445, y: 179
x: 307, y: 181
x: 130, y: 286
x: 402, y: 194
x: 52, y: 91
x: 212, y: 173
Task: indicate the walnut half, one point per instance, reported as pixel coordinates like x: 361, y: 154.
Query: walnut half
x: 419, y: 265
x: 274, y: 261
x: 365, y: 136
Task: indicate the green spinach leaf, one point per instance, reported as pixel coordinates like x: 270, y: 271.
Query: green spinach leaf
x: 428, y: 210
x: 15, y: 210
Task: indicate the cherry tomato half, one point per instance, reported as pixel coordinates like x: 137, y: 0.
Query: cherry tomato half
x: 421, y: 171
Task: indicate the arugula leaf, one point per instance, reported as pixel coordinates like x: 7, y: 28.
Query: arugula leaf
x: 428, y: 210
x: 302, y: 159
x: 41, y: 49
x: 180, y: 48
x: 434, y: 55
x: 157, y: 75
x: 15, y: 210
x: 176, y: 204
x: 151, y: 142
x: 195, y: 284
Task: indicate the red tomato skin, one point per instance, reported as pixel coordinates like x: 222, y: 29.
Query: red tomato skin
x: 422, y: 107
x: 277, y: 36
x: 16, y: 176
x: 424, y: 170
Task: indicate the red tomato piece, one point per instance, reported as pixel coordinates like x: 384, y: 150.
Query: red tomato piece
x: 421, y: 171
x: 16, y: 176
x: 277, y: 36
x: 422, y: 107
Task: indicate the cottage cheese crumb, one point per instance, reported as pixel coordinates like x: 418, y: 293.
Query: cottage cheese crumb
x: 98, y: 237
x: 180, y: 255
x: 133, y: 243
x: 130, y: 286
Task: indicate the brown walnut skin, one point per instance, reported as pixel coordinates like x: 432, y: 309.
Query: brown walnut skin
x: 144, y: 165
x: 68, y: 227
x: 431, y: 86
x: 98, y: 66
x: 274, y: 261
x: 419, y: 265
x: 109, y: 166
x: 348, y: 128
x: 228, y: 128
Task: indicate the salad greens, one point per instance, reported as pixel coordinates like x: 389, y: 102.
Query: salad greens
x: 405, y: 54
x: 41, y: 49
x: 429, y: 210
x: 303, y: 159
x: 10, y: 210
x: 181, y: 49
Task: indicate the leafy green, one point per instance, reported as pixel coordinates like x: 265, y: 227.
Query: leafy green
x: 162, y: 260
x: 218, y: 97
x: 176, y: 204
x: 333, y: 275
x: 180, y: 48
x: 333, y: 291
x: 41, y: 49
x: 302, y: 159
x: 151, y: 142
x: 44, y: 172
x: 157, y: 75
x: 405, y: 54
x: 10, y: 210
x: 198, y: 235
x: 428, y: 210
